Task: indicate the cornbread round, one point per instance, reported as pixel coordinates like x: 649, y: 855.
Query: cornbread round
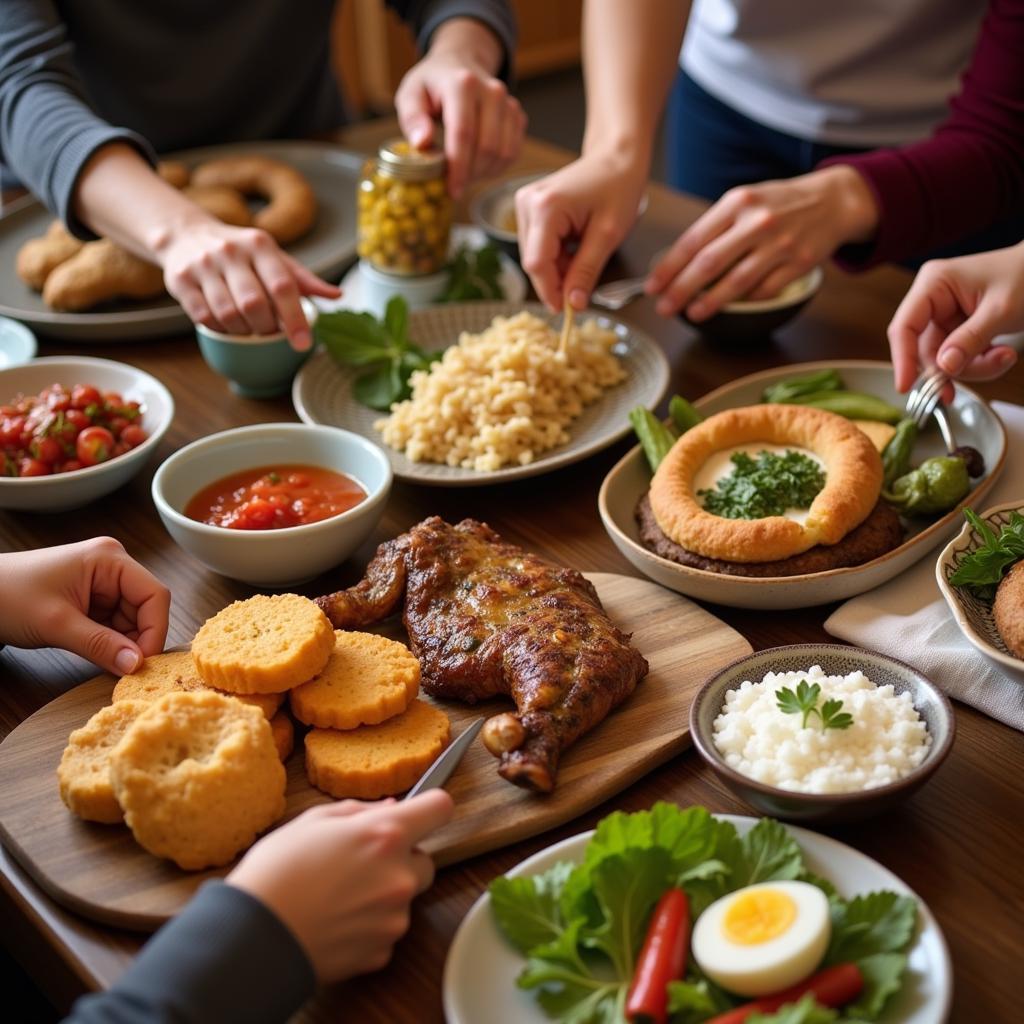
x: 84, y: 770
x: 366, y: 680
x: 175, y: 672
x: 377, y: 760
x: 198, y: 777
x: 265, y: 644
x: 1008, y: 610
x: 283, y: 731
x: 853, y: 483
x: 504, y: 396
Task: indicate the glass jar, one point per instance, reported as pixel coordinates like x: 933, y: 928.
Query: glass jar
x: 405, y: 214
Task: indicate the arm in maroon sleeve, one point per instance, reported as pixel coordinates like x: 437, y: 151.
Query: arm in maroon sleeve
x: 970, y: 172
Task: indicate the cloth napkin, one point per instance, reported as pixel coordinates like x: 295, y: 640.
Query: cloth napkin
x: 908, y: 618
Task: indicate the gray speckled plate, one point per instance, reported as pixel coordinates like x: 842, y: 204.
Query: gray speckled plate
x: 972, y: 614
x: 974, y: 423
x: 322, y: 393
x: 326, y: 250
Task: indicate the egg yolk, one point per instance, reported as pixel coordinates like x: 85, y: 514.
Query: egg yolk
x: 758, y: 916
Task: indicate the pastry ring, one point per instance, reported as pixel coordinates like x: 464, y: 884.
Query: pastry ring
x: 853, y: 482
x: 291, y: 204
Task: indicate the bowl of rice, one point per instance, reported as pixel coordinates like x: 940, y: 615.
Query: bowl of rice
x: 821, y: 732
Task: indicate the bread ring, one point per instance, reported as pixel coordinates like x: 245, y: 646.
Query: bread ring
x: 853, y: 483
x: 38, y: 257
x: 224, y: 203
x: 174, y: 172
x: 291, y: 204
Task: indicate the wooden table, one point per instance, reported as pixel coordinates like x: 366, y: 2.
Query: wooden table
x: 957, y: 842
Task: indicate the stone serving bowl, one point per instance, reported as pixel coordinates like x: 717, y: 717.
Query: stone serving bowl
x: 835, y: 659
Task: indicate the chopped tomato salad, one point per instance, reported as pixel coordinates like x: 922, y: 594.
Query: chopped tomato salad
x: 63, y: 429
x: 275, y: 497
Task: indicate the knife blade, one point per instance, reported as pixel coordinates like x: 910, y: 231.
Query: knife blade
x: 440, y: 771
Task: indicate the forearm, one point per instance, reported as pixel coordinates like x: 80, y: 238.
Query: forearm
x: 484, y: 28
x: 119, y: 196
x: 472, y: 39
x: 629, y: 61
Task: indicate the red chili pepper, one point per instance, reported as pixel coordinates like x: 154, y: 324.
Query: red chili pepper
x: 832, y: 987
x: 662, y: 959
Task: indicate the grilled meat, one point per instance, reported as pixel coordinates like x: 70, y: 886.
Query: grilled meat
x: 486, y: 618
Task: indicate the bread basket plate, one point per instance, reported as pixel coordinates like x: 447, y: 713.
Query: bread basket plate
x: 327, y: 249
x: 322, y: 393
x: 973, y: 614
x: 973, y: 422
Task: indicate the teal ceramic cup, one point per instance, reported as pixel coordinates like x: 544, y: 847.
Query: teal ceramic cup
x: 256, y: 365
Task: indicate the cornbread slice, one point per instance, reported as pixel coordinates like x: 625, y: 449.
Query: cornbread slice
x: 198, y: 777
x: 263, y: 645
x: 366, y: 680
x: 377, y: 760
x: 283, y: 731
x: 174, y: 672
x: 84, y: 770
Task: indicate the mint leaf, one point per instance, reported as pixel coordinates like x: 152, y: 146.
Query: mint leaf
x: 806, y: 1011
x: 879, y: 922
x: 983, y: 569
x: 396, y: 320
x: 380, y: 387
x: 526, y: 909
x: 353, y: 339
x: 883, y: 976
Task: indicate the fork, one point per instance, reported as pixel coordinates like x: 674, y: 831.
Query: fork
x: 616, y: 294
x: 925, y: 401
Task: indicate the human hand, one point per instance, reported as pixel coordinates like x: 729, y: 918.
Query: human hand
x: 953, y: 311
x: 592, y: 203
x: 90, y: 598
x: 237, y: 280
x: 342, y: 876
x: 758, y: 238
x: 483, y: 124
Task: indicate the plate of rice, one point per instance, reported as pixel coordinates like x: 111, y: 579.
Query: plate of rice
x: 505, y: 401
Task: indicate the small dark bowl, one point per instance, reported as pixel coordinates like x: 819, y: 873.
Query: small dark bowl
x: 745, y: 322
x: 836, y: 660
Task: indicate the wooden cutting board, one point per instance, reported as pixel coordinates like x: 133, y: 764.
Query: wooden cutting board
x: 99, y: 870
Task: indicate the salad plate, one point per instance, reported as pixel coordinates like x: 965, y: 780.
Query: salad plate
x: 481, y: 969
x: 973, y: 421
x: 322, y: 393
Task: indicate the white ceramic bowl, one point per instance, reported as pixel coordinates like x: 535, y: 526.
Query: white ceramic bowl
x: 972, y: 614
x: 62, y: 491
x: 272, y: 558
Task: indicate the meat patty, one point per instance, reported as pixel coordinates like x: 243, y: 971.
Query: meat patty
x: 879, y: 533
x: 1008, y: 610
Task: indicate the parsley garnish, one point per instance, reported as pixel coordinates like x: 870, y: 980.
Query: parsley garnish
x: 765, y: 486
x: 982, y: 570
x: 804, y: 702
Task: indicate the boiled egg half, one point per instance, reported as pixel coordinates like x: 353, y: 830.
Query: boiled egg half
x: 763, y: 938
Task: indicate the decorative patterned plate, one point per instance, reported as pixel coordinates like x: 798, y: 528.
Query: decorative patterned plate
x: 973, y: 421
x: 972, y: 614
x: 322, y: 393
x: 481, y: 969
x: 326, y: 250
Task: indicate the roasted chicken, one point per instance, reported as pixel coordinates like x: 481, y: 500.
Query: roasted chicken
x: 487, y: 618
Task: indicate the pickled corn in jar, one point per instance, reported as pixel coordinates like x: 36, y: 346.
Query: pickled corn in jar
x: 405, y: 213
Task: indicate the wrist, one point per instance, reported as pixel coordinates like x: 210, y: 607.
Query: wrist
x: 623, y: 154
x: 172, y: 226
x: 467, y: 37
x: 856, y: 210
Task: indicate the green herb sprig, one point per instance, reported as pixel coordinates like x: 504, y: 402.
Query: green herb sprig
x: 381, y: 349
x: 474, y: 275
x: 765, y: 486
x: 804, y: 702
x: 981, y: 571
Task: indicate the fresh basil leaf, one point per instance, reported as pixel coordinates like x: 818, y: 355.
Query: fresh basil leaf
x: 396, y: 320
x: 526, y: 909
x: 380, y: 387
x: 474, y: 275
x: 883, y: 976
x: 353, y: 339
x: 878, y: 922
x: 626, y: 887
x: 806, y: 1011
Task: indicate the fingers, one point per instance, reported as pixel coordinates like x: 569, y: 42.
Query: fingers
x: 989, y: 365
x: 415, y: 114
x: 543, y: 227
x: 250, y: 297
x: 905, y: 330
x: 184, y: 288
x: 461, y: 120
x: 493, y: 104
x: 599, y: 241
x: 97, y: 643
x: 279, y: 281
x: 308, y: 283
x: 423, y: 870
x: 421, y: 815
x: 703, y: 231
x: 738, y: 283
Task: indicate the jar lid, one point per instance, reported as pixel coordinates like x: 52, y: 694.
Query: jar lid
x: 400, y: 159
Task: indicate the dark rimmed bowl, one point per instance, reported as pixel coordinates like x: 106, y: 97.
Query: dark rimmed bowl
x: 835, y: 660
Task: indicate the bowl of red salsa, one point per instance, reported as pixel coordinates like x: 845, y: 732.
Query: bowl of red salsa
x: 276, y: 504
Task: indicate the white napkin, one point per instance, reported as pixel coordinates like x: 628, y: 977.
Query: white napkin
x: 909, y: 619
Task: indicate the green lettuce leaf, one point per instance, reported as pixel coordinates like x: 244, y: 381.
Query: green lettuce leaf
x: 806, y: 1011
x: 883, y: 976
x: 878, y: 922
x: 526, y: 909
x: 691, y: 1002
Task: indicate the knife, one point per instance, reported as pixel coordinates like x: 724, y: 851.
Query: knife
x: 440, y: 771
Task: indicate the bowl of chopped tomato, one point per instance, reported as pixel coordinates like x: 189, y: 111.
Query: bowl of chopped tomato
x: 276, y: 504
x: 73, y: 429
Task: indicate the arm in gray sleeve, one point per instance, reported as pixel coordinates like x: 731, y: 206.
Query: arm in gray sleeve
x: 426, y: 16
x: 47, y: 129
x: 225, y: 959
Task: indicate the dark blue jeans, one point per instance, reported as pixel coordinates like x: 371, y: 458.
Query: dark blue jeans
x: 711, y: 148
